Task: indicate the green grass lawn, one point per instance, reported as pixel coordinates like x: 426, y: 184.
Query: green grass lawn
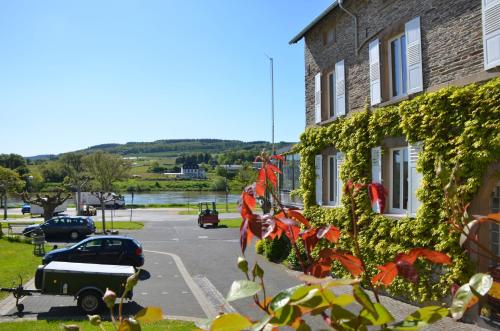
x: 231, y: 223
x: 85, y: 325
x: 17, y: 259
x: 120, y: 225
x: 25, y: 216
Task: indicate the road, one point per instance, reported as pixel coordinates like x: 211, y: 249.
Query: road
x: 188, y: 272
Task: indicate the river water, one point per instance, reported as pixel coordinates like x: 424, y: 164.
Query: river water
x: 163, y: 197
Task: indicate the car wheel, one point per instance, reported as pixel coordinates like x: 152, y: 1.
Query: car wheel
x: 74, y: 235
x: 90, y: 302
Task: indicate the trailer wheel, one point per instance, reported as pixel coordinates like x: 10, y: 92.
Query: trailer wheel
x: 74, y: 235
x: 90, y: 301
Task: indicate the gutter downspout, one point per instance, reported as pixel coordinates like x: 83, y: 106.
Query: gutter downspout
x: 355, y: 26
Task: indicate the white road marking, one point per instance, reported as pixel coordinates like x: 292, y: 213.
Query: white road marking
x: 164, y: 293
x: 209, y: 310
x: 202, y: 237
x: 213, y: 294
x: 144, y: 293
x: 159, y: 276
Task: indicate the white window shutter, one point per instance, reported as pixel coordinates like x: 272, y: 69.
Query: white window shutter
x: 340, y: 185
x: 376, y: 171
x: 317, y: 98
x: 414, y: 177
x: 491, y: 33
x: 319, y: 179
x: 374, y: 54
x: 376, y: 164
x: 414, y: 56
x: 340, y: 99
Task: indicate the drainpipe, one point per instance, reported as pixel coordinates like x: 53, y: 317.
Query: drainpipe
x: 355, y: 26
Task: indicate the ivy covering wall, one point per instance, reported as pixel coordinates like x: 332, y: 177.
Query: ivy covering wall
x: 459, y: 128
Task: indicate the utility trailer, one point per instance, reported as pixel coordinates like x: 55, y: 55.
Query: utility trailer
x: 86, y: 282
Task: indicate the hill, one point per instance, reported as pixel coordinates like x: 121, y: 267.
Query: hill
x: 176, y: 147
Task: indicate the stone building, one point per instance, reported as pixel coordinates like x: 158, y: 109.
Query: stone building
x: 386, y: 51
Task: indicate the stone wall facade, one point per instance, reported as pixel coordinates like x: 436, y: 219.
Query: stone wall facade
x: 451, y: 37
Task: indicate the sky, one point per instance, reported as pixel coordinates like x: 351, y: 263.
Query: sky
x: 74, y: 74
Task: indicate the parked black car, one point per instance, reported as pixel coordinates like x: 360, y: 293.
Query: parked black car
x: 100, y: 250
x: 74, y: 227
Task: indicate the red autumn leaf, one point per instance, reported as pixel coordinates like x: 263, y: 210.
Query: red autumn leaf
x: 320, y: 269
x: 291, y: 231
x: 350, y: 262
x: 378, y: 194
x: 260, y: 185
x: 310, y: 239
x: 495, y: 217
x: 248, y: 199
x: 330, y: 233
x: 432, y: 256
x: 271, y: 176
x: 298, y: 217
x: 273, y: 168
x: 386, y: 275
x: 245, y: 235
x: 278, y: 157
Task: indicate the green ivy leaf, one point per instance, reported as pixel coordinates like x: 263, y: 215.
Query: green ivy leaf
x: 230, y: 322
x: 381, y: 315
x: 363, y: 299
x: 421, y: 318
x: 481, y: 283
x: 242, y: 289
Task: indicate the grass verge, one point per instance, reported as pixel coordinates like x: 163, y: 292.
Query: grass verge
x: 231, y: 223
x: 120, y: 225
x: 221, y: 208
x: 17, y: 259
x: 85, y: 325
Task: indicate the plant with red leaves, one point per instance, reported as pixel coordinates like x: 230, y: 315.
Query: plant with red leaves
x: 314, y: 296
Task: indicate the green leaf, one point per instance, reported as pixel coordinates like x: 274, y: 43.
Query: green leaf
x: 257, y: 271
x: 341, y: 314
x: 303, y: 291
x: 283, y: 298
x: 242, y: 289
x: 481, y: 283
x: 341, y: 282
x: 285, y: 315
x: 242, y: 264
x: 149, y: 315
x: 230, y: 322
x: 381, y: 315
x: 460, y: 301
x: 363, y: 299
x: 343, y: 300
x: 421, y: 318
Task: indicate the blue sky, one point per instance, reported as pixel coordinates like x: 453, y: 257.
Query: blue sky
x: 79, y: 73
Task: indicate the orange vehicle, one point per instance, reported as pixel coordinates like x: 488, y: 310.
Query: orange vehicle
x: 208, y: 215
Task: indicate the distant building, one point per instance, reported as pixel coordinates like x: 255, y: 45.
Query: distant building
x: 192, y: 171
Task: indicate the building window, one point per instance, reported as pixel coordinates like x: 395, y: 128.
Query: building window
x: 399, y: 180
x: 329, y: 37
x: 397, y: 61
x: 332, y: 180
x: 331, y: 94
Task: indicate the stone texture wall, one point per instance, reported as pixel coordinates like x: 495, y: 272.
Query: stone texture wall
x: 452, y: 46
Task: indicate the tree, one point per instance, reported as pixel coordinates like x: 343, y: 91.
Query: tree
x: 76, y: 177
x: 10, y: 181
x: 48, y: 201
x: 104, y: 169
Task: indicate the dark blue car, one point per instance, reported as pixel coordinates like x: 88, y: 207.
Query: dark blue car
x: 26, y: 209
x: 119, y: 250
x: 73, y: 227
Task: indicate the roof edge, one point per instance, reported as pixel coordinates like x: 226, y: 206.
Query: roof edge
x: 301, y: 34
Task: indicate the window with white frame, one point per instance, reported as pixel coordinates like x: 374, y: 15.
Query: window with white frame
x: 399, y: 180
x: 332, y: 180
x: 398, y: 66
x: 331, y: 94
